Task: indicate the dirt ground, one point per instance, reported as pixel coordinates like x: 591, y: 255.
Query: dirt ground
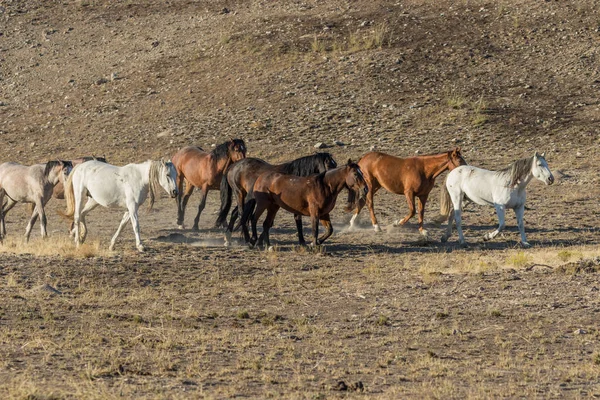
x: 376, y: 315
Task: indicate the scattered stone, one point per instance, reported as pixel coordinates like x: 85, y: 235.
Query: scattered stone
x: 225, y: 10
x: 320, y: 145
x: 372, y: 148
x: 339, y: 143
x: 46, y: 288
x: 114, y: 76
x: 341, y: 386
x: 580, y: 332
x: 101, y: 81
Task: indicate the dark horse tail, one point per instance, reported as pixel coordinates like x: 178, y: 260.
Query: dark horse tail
x: 225, y: 201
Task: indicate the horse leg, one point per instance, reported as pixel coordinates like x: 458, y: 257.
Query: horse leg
x: 269, y: 219
x: 421, y: 209
x: 247, y: 215
x: 298, y: 218
x: 10, y: 203
x: 326, y: 221
x: 456, y: 198
x: 229, y: 230
x: 359, y: 206
x: 2, y: 226
x: 34, y: 216
x: 410, y: 199
x: 189, y: 188
x: 260, y: 208
x: 500, y: 211
x: 371, y: 206
x: 135, y: 223
x: 89, y: 206
x: 314, y: 222
x: 203, y: 195
x: 116, y: 235
x: 519, y: 211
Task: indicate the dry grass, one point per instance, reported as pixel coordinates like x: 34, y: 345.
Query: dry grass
x: 55, y: 246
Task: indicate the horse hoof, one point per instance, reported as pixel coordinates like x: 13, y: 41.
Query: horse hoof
x: 464, y: 245
x: 227, y: 244
x: 525, y: 245
x: 271, y: 248
x: 181, y: 227
x: 141, y: 248
x: 377, y: 228
x: 195, y: 228
x: 424, y: 233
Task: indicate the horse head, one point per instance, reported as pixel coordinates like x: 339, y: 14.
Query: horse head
x: 167, y: 176
x: 236, y: 149
x: 455, y: 159
x: 540, y: 169
x: 329, y: 162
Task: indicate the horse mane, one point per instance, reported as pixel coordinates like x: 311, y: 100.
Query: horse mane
x: 517, y: 170
x: 153, y: 182
x: 306, y: 165
x: 50, y: 165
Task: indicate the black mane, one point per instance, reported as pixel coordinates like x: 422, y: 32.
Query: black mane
x: 307, y: 165
x: 51, y: 164
x: 222, y: 150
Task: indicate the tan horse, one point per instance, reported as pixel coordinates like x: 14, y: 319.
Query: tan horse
x: 203, y: 170
x: 412, y: 177
x: 314, y: 196
x: 59, y: 189
x: 30, y: 184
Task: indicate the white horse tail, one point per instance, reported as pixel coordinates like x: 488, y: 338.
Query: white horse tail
x: 446, y: 206
x: 70, y: 196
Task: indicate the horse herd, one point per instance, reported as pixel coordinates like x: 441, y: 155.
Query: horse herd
x: 307, y: 186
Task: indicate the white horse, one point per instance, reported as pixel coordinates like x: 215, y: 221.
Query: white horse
x: 30, y: 184
x: 112, y: 186
x: 502, y: 189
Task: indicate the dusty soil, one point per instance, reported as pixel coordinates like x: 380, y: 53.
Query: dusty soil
x: 378, y: 315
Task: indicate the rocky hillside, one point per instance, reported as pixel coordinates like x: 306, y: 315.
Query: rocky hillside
x: 133, y: 80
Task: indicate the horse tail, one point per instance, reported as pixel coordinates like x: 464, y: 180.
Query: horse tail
x: 446, y: 205
x: 69, y: 196
x: 225, y: 201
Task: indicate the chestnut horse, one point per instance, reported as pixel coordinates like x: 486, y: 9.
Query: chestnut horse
x: 242, y: 175
x: 59, y: 189
x: 203, y: 170
x: 314, y: 195
x: 413, y: 177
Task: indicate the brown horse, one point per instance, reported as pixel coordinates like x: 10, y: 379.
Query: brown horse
x: 59, y: 189
x: 241, y: 176
x: 314, y: 195
x: 413, y: 177
x: 203, y: 170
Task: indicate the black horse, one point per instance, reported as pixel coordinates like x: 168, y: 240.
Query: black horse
x: 240, y: 179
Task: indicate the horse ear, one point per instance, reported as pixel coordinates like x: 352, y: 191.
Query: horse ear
x: 458, y: 149
x: 543, y: 154
x: 536, y: 155
x: 349, y: 161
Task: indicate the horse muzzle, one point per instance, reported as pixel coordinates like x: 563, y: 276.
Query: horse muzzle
x: 174, y: 193
x: 550, y: 180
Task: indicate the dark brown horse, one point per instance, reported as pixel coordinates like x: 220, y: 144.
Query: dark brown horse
x: 203, y: 170
x: 242, y: 175
x: 59, y: 189
x: 314, y: 195
x: 413, y: 177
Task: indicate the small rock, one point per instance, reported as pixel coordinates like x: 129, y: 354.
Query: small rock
x: 32, y: 144
x: 101, y: 81
x: 225, y: 10
x: 47, y: 288
x: 114, y: 76
x: 372, y: 148
x: 417, y: 151
x: 320, y: 145
x: 341, y: 386
x: 580, y: 332
x: 339, y: 143
x: 155, y: 43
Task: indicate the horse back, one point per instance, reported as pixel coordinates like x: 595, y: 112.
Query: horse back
x: 393, y: 173
x: 244, y: 173
x: 293, y: 193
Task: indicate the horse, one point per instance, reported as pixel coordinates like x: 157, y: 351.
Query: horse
x: 502, y: 189
x: 203, y: 170
x: 314, y: 196
x: 30, y: 184
x: 112, y: 186
x: 413, y: 177
x: 59, y: 189
x: 242, y: 175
